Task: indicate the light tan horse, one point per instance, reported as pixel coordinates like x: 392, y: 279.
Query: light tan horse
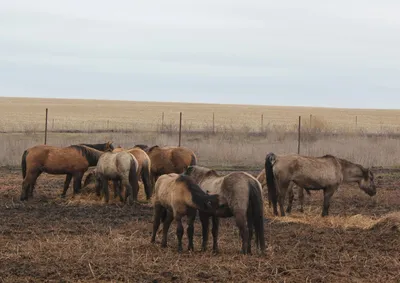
x: 261, y: 177
x: 240, y: 196
x: 325, y: 173
x: 143, y: 170
x: 117, y: 166
x: 174, y: 197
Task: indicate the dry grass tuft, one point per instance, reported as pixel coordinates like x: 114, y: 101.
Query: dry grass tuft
x: 390, y: 223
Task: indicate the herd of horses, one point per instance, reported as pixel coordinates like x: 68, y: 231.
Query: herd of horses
x: 177, y: 186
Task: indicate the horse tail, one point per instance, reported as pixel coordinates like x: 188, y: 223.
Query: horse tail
x: 145, y: 174
x: 133, y: 178
x: 257, y: 209
x: 193, y: 161
x: 269, y: 174
x: 23, y: 163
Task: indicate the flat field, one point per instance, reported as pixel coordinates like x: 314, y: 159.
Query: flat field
x: 236, y: 138
x: 80, y: 239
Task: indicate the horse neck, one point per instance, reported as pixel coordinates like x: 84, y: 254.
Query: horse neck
x: 93, y: 156
x: 351, y: 172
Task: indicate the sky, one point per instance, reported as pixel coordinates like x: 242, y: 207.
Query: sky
x: 341, y: 53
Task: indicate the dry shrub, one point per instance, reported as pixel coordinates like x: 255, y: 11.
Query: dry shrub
x: 388, y: 224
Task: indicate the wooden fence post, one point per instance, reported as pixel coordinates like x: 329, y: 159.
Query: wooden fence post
x: 298, y: 138
x: 45, y: 127
x: 262, y: 123
x: 213, y: 123
x: 162, y: 122
x: 180, y: 128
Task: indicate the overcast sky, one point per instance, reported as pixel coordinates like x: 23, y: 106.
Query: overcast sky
x: 341, y: 53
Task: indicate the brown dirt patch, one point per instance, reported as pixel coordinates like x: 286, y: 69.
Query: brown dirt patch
x: 48, y: 239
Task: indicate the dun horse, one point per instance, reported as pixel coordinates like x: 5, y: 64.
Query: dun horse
x: 174, y: 197
x: 263, y: 181
x: 117, y: 166
x: 143, y: 170
x: 73, y: 161
x: 240, y: 196
x: 169, y: 159
x: 325, y: 173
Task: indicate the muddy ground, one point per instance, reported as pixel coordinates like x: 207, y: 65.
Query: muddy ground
x: 80, y: 239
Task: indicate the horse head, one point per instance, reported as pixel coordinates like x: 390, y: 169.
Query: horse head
x: 367, y: 183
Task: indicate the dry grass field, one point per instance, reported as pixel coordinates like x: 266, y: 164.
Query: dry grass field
x: 80, y: 239
x: 238, y: 139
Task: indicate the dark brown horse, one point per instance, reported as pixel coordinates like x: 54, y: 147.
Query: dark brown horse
x: 73, y: 161
x: 169, y: 159
x: 100, y: 146
x: 325, y: 173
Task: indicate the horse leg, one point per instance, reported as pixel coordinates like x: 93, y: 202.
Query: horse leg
x: 156, y: 221
x: 166, y: 223
x: 30, y: 179
x: 117, y: 190
x: 301, y: 198
x: 283, y: 188
x: 191, y: 216
x: 291, y: 197
x: 214, y: 231
x: 104, y: 185
x: 328, y: 193
x: 78, y: 182
x: 66, y: 185
x: 240, y: 218
x: 32, y: 188
x: 179, y: 231
x: 205, y: 222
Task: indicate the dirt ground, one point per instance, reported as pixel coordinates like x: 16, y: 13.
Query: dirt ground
x: 80, y: 239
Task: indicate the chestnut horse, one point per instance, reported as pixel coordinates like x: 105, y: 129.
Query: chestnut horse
x: 73, y: 161
x: 169, y: 159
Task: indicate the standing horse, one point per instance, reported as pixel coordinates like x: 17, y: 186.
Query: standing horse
x: 240, y: 196
x: 174, y: 197
x: 325, y: 173
x: 73, y: 161
x: 144, y: 165
x: 169, y: 159
x: 100, y: 146
x: 117, y: 166
x: 261, y: 177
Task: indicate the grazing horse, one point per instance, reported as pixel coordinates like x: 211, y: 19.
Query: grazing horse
x: 169, y: 159
x: 117, y: 166
x: 144, y: 165
x: 240, y: 196
x: 174, y: 197
x: 263, y: 181
x: 100, y: 146
x: 325, y: 173
x: 73, y: 161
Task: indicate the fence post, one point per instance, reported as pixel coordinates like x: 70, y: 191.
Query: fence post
x: 356, y: 121
x: 52, y: 125
x: 213, y: 123
x: 162, y: 122
x: 45, y: 127
x: 180, y: 127
x: 298, y: 138
x: 262, y: 123
x: 310, y: 120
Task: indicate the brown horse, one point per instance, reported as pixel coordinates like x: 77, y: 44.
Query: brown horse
x: 117, y: 166
x: 100, y: 146
x: 144, y: 165
x: 263, y: 181
x: 325, y: 173
x: 174, y: 197
x: 169, y: 159
x: 240, y: 196
x: 73, y: 161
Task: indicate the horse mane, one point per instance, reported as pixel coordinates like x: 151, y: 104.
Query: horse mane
x: 99, y: 146
x: 143, y: 147
x: 91, y: 154
x: 152, y: 148
x: 329, y: 156
x: 198, y: 195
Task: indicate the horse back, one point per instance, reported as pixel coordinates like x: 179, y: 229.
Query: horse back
x: 235, y: 190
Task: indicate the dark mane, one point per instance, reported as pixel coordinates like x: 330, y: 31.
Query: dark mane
x: 142, y: 147
x: 92, y: 155
x: 99, y: 146
x: 329, y: 156
x: 153, y: 147
x: 198, y: 195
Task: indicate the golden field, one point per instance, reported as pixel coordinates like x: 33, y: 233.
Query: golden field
x: 237, y: 140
